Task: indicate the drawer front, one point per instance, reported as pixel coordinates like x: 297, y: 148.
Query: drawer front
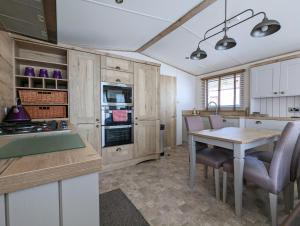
x: 229, y: 122
x: 116, y: 76
x: 117, y: 154
x: 117, y: 64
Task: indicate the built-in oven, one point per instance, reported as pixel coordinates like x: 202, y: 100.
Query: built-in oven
x: 116, y: 94
x: 117, y: 135
x: 117, y: 115
x: 116, y: 123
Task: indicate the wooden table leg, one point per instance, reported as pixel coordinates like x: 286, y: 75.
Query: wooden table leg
x: 239, y: 154
x: 192, y: 156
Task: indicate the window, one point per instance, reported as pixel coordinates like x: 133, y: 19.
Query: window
x: 225, y: 90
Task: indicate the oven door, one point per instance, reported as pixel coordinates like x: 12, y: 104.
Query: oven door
x: 117, y: 135
x: 108, y: 118
x: 116, y: 94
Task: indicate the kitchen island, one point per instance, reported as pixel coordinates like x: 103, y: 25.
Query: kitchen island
x: 52, y: 189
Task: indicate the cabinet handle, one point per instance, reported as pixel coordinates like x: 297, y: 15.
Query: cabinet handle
x: 281, y: 92
x: 136, y: 117
x: 258, y: 122
x: 224, y: 120
x: 118, y: 68
x: 118, y: 80
x: 136, y: 124
x: 97, y: 126
x: 97, y: 120
x: 275, y: 93
x: 119, y: 149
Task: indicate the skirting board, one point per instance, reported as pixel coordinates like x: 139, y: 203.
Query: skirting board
x: 132, y: 162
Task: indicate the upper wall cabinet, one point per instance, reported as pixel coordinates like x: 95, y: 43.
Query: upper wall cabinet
x: 275, y: 80
x: 265, y: 81
x: 84, y: 76
x: 116, y: 64
x: 146, y: 92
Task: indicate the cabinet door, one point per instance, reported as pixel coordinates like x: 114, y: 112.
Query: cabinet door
x: 231, y: 122
x: 90, y: 133
x: 80, y: 201
x: 146, y: 138
x: 265, y: 81
x: 34, y: 206
x: 84, y: 76
x: 290, y: 78
x: 146, y: 92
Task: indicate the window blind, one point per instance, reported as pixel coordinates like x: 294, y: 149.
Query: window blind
x: 227, y: 90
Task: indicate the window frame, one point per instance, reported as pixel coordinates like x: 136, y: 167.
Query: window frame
x: 233, y: 107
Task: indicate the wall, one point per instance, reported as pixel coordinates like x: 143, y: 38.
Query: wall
x: 186, y: 88
x: 6, y: 78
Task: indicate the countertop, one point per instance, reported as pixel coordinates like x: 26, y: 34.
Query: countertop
x: 205, y: 114
x: 30, y: 171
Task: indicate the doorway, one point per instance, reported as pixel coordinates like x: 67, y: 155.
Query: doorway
x: 168, y: 109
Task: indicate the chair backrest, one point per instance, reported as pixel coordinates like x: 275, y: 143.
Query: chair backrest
x: 295, y: 164
x: 216, y: 121
x: 194, y: 123
x: 280, y: 168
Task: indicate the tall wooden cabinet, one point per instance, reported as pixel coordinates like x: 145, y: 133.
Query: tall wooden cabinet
x: 146, y: 109
x: 84, y: 76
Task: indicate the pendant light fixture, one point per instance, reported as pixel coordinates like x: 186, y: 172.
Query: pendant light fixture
x: 264, y: 28
x: 198, y: 54
x: 225, y: 42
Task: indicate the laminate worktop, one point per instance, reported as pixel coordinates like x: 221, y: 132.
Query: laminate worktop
x: 30, y: 171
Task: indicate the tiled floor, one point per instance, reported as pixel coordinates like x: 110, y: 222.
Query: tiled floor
x: 159, y: 190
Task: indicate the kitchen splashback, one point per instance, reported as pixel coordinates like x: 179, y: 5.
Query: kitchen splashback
x: 276, y: 107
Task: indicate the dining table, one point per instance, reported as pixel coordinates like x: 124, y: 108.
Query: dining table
x: 239, y: 140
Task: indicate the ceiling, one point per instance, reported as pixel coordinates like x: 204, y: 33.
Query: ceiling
x: 103, y: 24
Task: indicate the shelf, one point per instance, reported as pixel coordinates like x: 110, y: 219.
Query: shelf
x: 24, y: 104
x: 65, y: 90
x: 40, y: 62
x: 55, y: 79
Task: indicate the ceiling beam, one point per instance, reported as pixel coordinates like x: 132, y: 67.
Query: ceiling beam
x: 194, y: 11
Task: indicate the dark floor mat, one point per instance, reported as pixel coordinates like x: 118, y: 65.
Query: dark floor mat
x: 117, y: 210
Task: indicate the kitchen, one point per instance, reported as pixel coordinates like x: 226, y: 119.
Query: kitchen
x: 98, y: 116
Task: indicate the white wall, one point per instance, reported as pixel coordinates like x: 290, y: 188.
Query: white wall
x: 186, y: 87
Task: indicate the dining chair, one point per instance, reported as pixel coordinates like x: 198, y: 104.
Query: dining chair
x: 293, y: 218
x: 205, y: 155
x: 277, y: 177
x: 216, y: 121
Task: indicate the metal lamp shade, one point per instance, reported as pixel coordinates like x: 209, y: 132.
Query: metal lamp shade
x: 225, y: 43
x: 198, y: 54
x: 265, y: 28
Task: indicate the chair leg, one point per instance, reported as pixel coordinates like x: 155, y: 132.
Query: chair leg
x: 288, y: 197
x: 298, y: 187
x: 217, y: 183
x: 224, y: 186
x: 273, y: 208
x: 205, y: 171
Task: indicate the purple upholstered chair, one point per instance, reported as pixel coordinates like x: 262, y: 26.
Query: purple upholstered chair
x: 216, y: 121
x: 204, y: 155
x: 294, y: 218
x: 277, y: 177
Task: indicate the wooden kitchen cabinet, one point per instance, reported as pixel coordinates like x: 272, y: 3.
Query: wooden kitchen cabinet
x: 146, y: 138
x: 116, y: 64
x: 90, y: 133
x: 84, y: 76
x: 117, y: 154
x: 116, y: 76
x: 146, y: 92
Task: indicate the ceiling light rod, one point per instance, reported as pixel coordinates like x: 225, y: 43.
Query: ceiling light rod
x: 248, y: 18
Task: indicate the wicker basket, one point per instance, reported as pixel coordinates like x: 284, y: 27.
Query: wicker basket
x: 43, y: 97
x: 46, y: 112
